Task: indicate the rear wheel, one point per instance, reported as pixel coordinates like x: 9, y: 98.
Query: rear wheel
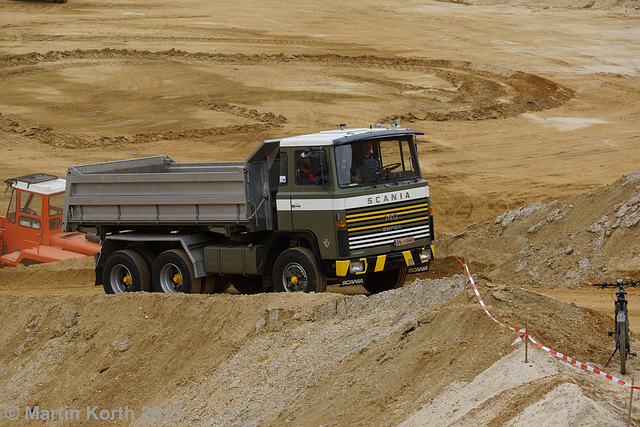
x: 208, y: 284
x: 125, y: 271
x: 173, y: 273
x: 296, y: 270
x: 222, y: 284
x: 147, y: 255
x: 386, y: 280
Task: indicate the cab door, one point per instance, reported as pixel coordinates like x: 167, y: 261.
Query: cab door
x: 29, y: 224
x: 283, y: 197
x: 312, y: 200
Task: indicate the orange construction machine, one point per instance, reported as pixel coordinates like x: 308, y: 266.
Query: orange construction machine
x: 31, y: 231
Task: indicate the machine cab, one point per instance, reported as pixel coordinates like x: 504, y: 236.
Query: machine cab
x: 34, y: 213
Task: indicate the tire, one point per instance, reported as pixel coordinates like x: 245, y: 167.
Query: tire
x: 248, y: 284
x: 208, y: 284
x: 147, y: 255
x: 222, y: 284
x: 173, y: 273
x: 296, y: 270
x: 125, y: 271
x: 385, y: 281
x: 624, y: 336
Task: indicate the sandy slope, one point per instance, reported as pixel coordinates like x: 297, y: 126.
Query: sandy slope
x: 530, y: 113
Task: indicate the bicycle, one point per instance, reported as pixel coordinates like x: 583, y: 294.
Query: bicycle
x: 622, y: 321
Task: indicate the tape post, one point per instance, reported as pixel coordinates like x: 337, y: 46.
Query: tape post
x: 525, y: 334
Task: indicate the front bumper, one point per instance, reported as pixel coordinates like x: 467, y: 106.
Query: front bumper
x: 416, y: 260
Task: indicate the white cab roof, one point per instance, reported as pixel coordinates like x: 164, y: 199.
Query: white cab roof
x: 46, y: 188
x: 341, y: 136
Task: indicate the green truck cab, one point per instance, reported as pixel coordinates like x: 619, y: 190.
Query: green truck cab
x: 366, y: 204
x: 346, y: 206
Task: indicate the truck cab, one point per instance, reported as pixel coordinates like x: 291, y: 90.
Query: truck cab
x: 361, y: 196
x: 30, y: 233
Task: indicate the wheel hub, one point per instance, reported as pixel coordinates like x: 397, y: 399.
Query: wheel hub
x: 177, y: 279
x: 120, y: 278
x: 170, y: 278
x: 294, y: 277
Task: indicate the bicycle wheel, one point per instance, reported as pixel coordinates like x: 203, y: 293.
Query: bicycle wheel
x: 624, y: 338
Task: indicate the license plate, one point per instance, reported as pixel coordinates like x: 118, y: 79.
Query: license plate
x: 404, y: 241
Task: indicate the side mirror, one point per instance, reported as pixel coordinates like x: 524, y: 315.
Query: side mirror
x: 319, y: 167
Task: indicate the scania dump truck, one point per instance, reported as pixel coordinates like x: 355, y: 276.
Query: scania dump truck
x: 346, y: 206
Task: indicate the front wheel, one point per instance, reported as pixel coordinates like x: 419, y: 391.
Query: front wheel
x: 173, y: 273
x: 296, y: 270
x: 624, y: 338
x: 386, y: 280
x: 125, y: 271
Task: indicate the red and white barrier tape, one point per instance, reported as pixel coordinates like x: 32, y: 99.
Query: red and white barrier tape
x: 537, y: 344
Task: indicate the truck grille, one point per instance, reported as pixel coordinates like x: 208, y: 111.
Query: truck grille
x: 395, y: 224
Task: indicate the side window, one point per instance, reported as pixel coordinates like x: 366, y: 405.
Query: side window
x: 28, y: 222
x: 283, y: 169
x: 312, y: 167
x: 11, y: 212
x: 56, y: 207
x: 31, y: 204
x: 56, y: 204
x: 304, y: 175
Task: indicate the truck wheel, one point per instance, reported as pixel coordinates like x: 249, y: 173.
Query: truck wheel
x: 125, y: 271
x: 173, y: 273
x: 296, y: 270
x: 222, y: 284
x: 386, y: 280
x: 147, y: 255
x: 208, y: 284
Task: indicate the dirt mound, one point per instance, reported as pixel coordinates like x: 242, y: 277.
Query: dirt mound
x: 423, y: 354
x: 586, y: 239
x: 304, y: 359
x: 69, y: 277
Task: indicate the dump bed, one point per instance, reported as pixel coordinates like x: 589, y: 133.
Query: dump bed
x: 158, y: 191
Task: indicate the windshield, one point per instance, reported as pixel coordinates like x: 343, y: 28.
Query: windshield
x: 376, y: 161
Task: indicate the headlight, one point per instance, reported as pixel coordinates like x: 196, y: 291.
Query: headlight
x: 425, y: 255
x: 356, y: 267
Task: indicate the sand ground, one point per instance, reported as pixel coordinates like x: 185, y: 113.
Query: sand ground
x: 520, y: 102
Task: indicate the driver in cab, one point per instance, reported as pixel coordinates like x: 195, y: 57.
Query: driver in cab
x: 364, y: 164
